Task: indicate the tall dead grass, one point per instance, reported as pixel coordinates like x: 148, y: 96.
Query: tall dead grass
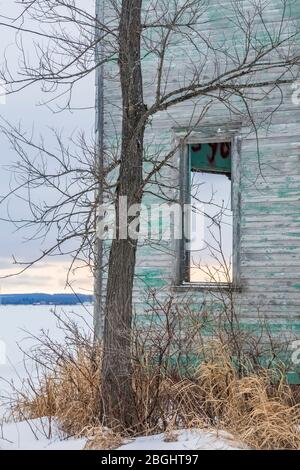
x: 71, y: 392
x: 257, y: 407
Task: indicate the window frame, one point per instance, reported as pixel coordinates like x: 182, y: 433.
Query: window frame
x: 213, y: 137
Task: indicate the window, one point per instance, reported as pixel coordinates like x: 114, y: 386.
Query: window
x: 208, y: 224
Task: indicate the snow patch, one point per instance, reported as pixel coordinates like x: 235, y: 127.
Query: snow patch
x: 32, y: 435
x: 193, y: 439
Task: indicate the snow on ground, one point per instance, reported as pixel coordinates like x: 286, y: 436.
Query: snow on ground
x: 186, y: 440
x: 34, y: 435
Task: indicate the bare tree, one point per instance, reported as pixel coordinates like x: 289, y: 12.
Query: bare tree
x: 251, y: 60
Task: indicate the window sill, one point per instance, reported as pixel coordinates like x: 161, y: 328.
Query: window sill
x: 205, y: 286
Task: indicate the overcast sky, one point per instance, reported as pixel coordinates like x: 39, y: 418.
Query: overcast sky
x: 25, y: 107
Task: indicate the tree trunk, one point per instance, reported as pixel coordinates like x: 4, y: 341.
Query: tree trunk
x: 118, y: 399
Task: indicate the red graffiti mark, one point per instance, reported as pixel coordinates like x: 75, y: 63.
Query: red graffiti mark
x: 212, y: 157
x: 225, y: 150
x: 196, y: 148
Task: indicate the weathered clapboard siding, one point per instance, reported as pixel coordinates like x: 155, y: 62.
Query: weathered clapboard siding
x: 269, y: 247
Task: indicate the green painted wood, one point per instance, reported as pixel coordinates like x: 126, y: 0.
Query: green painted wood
x: 214, y: 157
x: 266, y: 184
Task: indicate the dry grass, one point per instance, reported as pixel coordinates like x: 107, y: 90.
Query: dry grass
x: 258, y: 409
x: 71, y: 393
x: 101, y: 438
x: 162, y: 402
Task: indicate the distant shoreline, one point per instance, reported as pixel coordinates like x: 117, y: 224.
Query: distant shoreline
x: 45, y: 299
